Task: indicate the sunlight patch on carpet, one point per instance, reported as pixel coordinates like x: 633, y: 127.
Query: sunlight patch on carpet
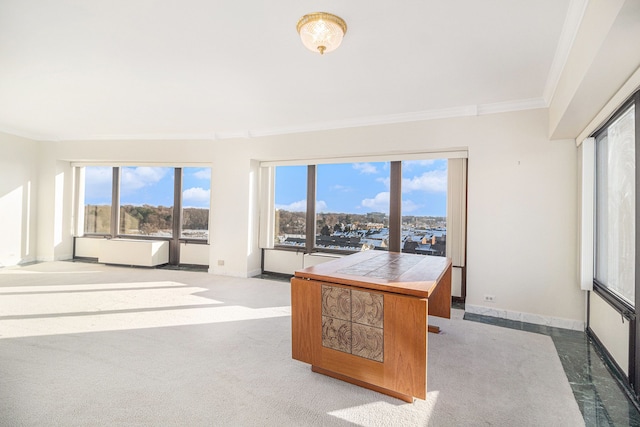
x: 384, y: 412
x: 27, y: 311
x: 135, y: 320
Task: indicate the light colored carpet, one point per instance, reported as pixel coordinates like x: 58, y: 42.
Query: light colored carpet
x: 85, y: 344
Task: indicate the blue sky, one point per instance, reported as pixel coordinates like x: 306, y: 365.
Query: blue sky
x: 148, y: 185
x: 364, y: 187
x: 344, y: 188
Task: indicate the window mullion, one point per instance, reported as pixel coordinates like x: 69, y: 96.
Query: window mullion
x: 310, y: 226
x: 115, y: 202
x: 174, y: 246
x: 395, y: 207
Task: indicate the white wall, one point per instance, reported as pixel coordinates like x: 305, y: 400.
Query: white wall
x: 522, y: 228
x: 234, y: 205
x: 55, y: 196
x: 18, y: 199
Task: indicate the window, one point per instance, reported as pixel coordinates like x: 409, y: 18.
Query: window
x: 357, y: 206
x: 616, y: 248
x: 615, y: 206
x: 424, y: 207
x: 149, y: 199
x: 291, y: 205
x: 196, y: 196
x: 352, y: 206
x: 97, y: 199
x: 146, y: 201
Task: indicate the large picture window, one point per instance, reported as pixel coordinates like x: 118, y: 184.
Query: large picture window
x: 424, y: 207
x: 358, y: 206
x: 151, y: 202
x: 146, y: 201
x: 616, y: 244
x: 352, y: 206
x: 97, y: 199
x: 615, y: 206
x: 291, y: 206
x: 196, y: 200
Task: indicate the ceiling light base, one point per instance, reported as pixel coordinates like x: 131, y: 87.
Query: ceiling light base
x: 321, y: 32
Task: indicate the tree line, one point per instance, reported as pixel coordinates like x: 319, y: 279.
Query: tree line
x: 145, y: 219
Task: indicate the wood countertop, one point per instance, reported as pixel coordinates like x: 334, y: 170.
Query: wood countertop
x: 400, y: 273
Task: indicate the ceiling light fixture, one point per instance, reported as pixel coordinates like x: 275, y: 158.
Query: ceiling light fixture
x: 321, y: 32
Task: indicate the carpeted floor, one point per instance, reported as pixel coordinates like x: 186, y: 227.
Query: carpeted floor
x: 87, y: 344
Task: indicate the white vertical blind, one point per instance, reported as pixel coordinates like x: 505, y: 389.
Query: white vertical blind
x: 456, y: 210
x: 79, y: 201
x: 587, y: 174
x: 267, y: 206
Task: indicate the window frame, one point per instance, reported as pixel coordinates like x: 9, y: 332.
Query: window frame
x: 175, y: 240
x: 619, y: 304
x: 176, y: 189
x: 82, y: 227
x: 612, y: 297
x: 178, y: 192
x: 395, y: 206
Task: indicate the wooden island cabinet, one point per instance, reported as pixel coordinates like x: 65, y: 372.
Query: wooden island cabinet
x: 364, y: 318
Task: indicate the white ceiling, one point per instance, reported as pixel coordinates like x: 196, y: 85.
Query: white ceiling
x: 74, y: 69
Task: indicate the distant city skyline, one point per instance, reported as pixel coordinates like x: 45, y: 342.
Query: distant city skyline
x: 364, y: 187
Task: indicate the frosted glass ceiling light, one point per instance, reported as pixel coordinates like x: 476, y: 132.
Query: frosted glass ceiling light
x: 321, y: 32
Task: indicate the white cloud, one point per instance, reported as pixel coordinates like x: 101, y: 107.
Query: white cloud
x: 366, y: 168
x: 97, y: 181
x: 433, y: 182
x: 98, y: 175
x: 202, y: 174
x: 409, y: 206
x: 301, y: 206
x: 196, y: 196
x: 380, y: 203
x: 386, y: 181
x: 342, y: 188
x: 321, y: 206
x: 139, y: 177
x: 409, y: 164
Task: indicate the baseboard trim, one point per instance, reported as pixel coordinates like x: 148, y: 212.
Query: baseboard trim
x: 537, y: 319
x: 254, y: 272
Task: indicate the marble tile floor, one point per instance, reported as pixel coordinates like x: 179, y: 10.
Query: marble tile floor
x: 600, y: 397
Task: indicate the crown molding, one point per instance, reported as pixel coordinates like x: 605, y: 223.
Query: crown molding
x: 33, y: 136
x: 139, y: 137
x: 370, y: 121
x: 444, y: 113
x: 509, y: 106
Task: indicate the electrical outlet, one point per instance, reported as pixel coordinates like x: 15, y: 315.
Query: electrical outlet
x: 220, y: 262
x: 489, y: 298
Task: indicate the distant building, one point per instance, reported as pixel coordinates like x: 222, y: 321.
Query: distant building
x: 414, y: 241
